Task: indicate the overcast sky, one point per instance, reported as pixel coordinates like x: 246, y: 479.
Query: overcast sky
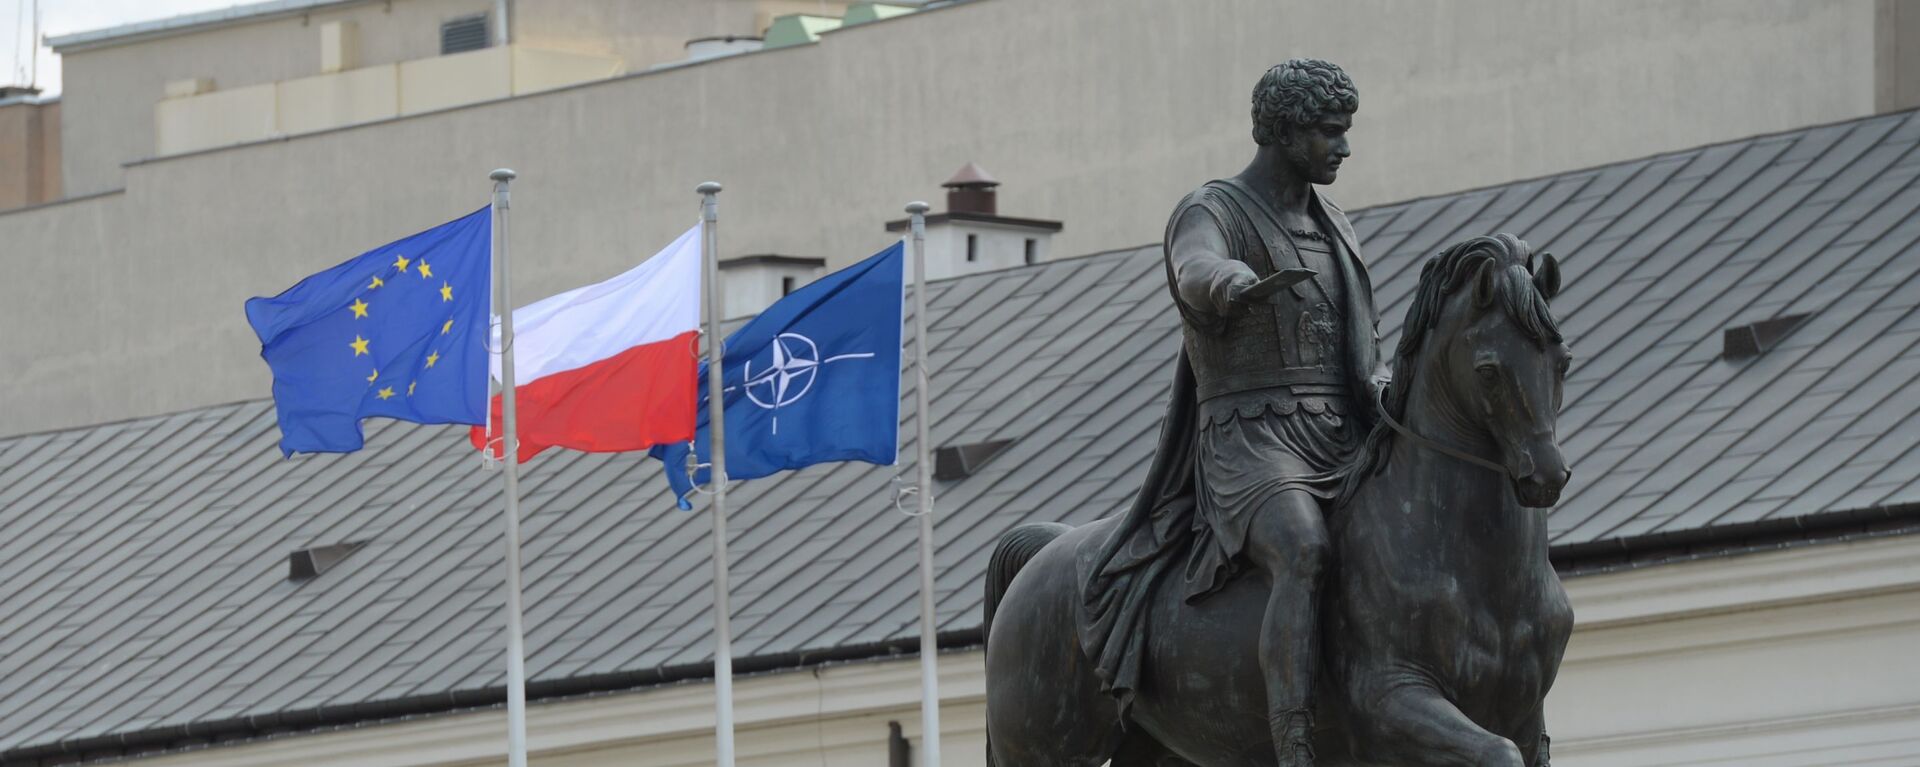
x: 59, y: 17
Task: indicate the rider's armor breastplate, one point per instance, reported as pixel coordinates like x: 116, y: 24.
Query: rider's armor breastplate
x: 1294, y: 343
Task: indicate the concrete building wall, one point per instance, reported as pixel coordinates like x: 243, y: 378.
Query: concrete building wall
x: 29, y: 153
x: 110, y: 90
x: 1897, y: 55
x: 1098, y: 113
x: 1789, y: 658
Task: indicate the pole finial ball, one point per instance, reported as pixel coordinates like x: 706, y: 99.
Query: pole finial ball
x: 710, y: 187
x: 918, y: 208
x: 502, y: 174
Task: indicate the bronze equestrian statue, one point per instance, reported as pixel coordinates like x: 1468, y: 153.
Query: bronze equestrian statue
x: 1309, y: 575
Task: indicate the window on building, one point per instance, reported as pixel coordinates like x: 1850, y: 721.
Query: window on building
x: 973, y: 248
x: 1033, y: 250
x: 786, y: 285
x: 468, y: 33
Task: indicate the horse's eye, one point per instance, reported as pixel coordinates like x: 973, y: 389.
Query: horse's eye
x: 1489, y: 375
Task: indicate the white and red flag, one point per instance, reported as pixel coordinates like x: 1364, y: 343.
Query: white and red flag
x: 608, y: 367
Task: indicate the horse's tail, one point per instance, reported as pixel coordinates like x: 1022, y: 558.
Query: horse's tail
x: 1015, y: 549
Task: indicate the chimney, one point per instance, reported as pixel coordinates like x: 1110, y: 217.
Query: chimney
x: 750, y: 284
x: 970, y: 191
x: 971, y: 236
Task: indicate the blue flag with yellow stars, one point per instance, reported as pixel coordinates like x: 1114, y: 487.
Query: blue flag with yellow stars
x: 398, y: 332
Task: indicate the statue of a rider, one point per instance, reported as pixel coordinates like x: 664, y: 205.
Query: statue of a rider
x: 1273, y: 395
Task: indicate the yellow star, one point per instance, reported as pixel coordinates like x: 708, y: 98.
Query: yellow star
x: 376, y: 283
x: 359, y: 346
x: 432, y: 358
x: 386, y: 393
x: 425, y: 270
x: 410, y: 388
x: 359, y: 308
x: 375, y: 376
x: 401, y: 262
x: 446, y: 292
x: 448, y: 326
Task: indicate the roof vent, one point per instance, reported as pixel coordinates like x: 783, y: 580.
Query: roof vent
x: 309, y: 563
x: 961, y: 461
x: 463, y: 34
x: 1750, y: 340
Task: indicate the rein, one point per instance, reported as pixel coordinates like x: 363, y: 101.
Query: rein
x: 1437, y: 447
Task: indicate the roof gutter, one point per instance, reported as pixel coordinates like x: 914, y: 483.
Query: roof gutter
x: 1724, y: 540
x: 1573, y: 559
x: 177, y: 737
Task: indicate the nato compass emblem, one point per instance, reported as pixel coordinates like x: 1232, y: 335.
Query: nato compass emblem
x: 796, y: 364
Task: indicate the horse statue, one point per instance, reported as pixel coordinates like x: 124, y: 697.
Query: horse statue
x: 1444, y: 622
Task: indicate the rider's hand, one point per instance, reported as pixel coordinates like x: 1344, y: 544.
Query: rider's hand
x: 1235, y: 302
x: 1245, y: 291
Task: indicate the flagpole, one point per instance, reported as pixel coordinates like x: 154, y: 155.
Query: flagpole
x: 510, y: 447
x: 923, y: 460
x: 717, y: 478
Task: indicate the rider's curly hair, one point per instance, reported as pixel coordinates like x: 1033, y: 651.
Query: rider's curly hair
x: 1297, y: 92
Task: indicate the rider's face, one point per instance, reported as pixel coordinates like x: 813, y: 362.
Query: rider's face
x: 1315, y: 149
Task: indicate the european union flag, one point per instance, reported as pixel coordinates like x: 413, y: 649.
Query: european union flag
x: 399, y: 332
x: 814, y: 378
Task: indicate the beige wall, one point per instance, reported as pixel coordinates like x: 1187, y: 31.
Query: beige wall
x: 110, y: 91
x: 647, y: 32
x: 114, y: 85
x: 1098, y: 113
x: 29, y: 154
x: 1790, y: 658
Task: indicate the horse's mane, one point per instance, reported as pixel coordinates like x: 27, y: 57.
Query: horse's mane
x: 1512, y: 287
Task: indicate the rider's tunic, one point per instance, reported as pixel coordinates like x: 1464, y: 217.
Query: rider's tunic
x: 1273, y: 386
x: 1254, y: 445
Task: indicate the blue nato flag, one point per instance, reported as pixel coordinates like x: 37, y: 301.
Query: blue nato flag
x: 398, y: 332
x: 815, y: 378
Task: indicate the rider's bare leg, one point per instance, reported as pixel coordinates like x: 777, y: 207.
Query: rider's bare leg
x: 1287, y: 538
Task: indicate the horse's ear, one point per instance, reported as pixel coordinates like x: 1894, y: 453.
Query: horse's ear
x: 1547, y: 277
x: 1483, y: 287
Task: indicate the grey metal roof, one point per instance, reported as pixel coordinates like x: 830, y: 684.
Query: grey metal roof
x: 145, y: 561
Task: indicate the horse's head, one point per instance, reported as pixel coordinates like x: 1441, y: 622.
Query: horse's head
x: 1494, y: 356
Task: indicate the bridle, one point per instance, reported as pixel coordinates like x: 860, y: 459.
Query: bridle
x: 1436, y: 446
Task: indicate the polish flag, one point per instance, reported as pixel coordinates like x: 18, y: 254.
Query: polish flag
x: 608, y: 367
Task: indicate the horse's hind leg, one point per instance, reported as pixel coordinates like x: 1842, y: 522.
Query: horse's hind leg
x: 1416, y: 722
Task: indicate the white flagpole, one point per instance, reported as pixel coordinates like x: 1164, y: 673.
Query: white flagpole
x: 717, y: 479
x: 510, y: 447
x: 929, y: 645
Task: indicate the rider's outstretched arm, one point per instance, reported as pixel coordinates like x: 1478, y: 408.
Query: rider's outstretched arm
x: 1205, y: 278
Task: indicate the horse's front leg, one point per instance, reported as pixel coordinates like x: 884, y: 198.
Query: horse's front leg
x: 1540, y: 756
x: 1417, y: 724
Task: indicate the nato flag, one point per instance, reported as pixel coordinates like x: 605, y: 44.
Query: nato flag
x: 398, y: 332
x: 814, y: 378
